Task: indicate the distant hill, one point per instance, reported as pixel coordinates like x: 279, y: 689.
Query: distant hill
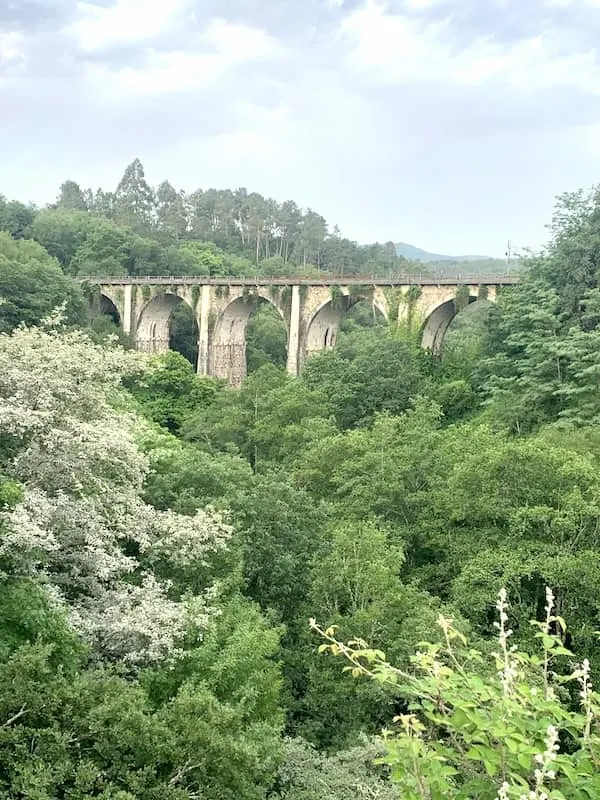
x: 417, y: 254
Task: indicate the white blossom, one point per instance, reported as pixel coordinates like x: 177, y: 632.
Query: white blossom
x: 503, y: 792
x: 184, y: 541
x: 25, y: 533
x: 139, y: 622
x: 82, y: 525
x: 544, y: 772
x: 508, y: 670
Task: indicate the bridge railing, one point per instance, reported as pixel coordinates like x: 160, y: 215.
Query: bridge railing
x: 369, y: 280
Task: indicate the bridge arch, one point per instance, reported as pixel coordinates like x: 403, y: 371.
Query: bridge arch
x: 228, y: 346
x: 439, y: 318
x: 153, y: 333
x: 323, y: 325
x: 108, y: 307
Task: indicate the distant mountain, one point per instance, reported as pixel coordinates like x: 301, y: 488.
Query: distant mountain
x: 417, y: 254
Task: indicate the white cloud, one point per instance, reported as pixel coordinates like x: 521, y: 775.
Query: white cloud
x: 222, y: 48
x: 162, y: 73
x: 241, y: 43
x: 423, y: 5
x: 125, y: 22
x: 12, y: 48
x: 572, y: 3
x: 399, y: 49
x: 13, y: 59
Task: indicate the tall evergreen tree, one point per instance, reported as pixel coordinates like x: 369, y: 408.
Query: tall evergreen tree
x: 135, y: 199
x: 171, y: 213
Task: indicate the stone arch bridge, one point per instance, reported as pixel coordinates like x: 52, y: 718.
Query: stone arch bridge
x: 310, y: 309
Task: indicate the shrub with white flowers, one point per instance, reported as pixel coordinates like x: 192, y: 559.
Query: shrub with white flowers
x: 68, y: 438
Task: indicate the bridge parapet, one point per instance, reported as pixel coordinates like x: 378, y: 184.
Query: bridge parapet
x: 330, y: 280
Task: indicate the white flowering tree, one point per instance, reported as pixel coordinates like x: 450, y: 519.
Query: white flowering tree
x: 68, y: 438
x: 509, y: 728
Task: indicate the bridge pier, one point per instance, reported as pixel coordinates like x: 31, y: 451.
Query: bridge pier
x: 203, y: 332
x: 229, y: 362
x: 127, y: 309
x: 157, y: 344
x: 293, y: 347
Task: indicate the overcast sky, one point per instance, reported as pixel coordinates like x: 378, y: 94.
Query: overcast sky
x: 449, y: 124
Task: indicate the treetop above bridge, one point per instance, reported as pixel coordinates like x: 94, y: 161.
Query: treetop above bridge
x: 355, y: 280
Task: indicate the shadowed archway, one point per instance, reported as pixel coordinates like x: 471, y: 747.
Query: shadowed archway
x: 109, y: 309
x: 465, y: 336
x: 155, y: 331
x: 439, y: 320
x: 324, y: 325
x: 228, y: 350
x: 105, y: 319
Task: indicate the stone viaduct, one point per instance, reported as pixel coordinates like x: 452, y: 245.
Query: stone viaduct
x: 310, y: 309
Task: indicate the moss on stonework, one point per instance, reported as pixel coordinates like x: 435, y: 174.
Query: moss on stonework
x: 336, y: 296
x: 222, y: 291
x: 360, y: 290
x: 91, y: 291
x: 413, y: 294
x: 410, y: 321
x: 286, y: 297
x: 462, y: 298
x: 394, y: 297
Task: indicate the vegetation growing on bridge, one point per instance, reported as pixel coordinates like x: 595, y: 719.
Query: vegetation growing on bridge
x: 165, y: 539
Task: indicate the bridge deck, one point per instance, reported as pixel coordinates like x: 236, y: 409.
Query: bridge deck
x: 399, y: 280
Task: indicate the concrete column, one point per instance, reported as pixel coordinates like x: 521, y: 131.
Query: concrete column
x: 203, y: 332
x: 127, y: 308
x: 294, y: 336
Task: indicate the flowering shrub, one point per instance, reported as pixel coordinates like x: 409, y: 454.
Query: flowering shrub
x: 81, y: 526
x: 506, y: 730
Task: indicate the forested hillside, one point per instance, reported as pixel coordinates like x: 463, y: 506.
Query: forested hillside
x: 139, y: 230
x: 163, y: 231
x: 227, y: 594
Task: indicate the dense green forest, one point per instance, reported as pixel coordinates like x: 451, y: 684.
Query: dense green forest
x: 228, y: 594
x: 139, y: 230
